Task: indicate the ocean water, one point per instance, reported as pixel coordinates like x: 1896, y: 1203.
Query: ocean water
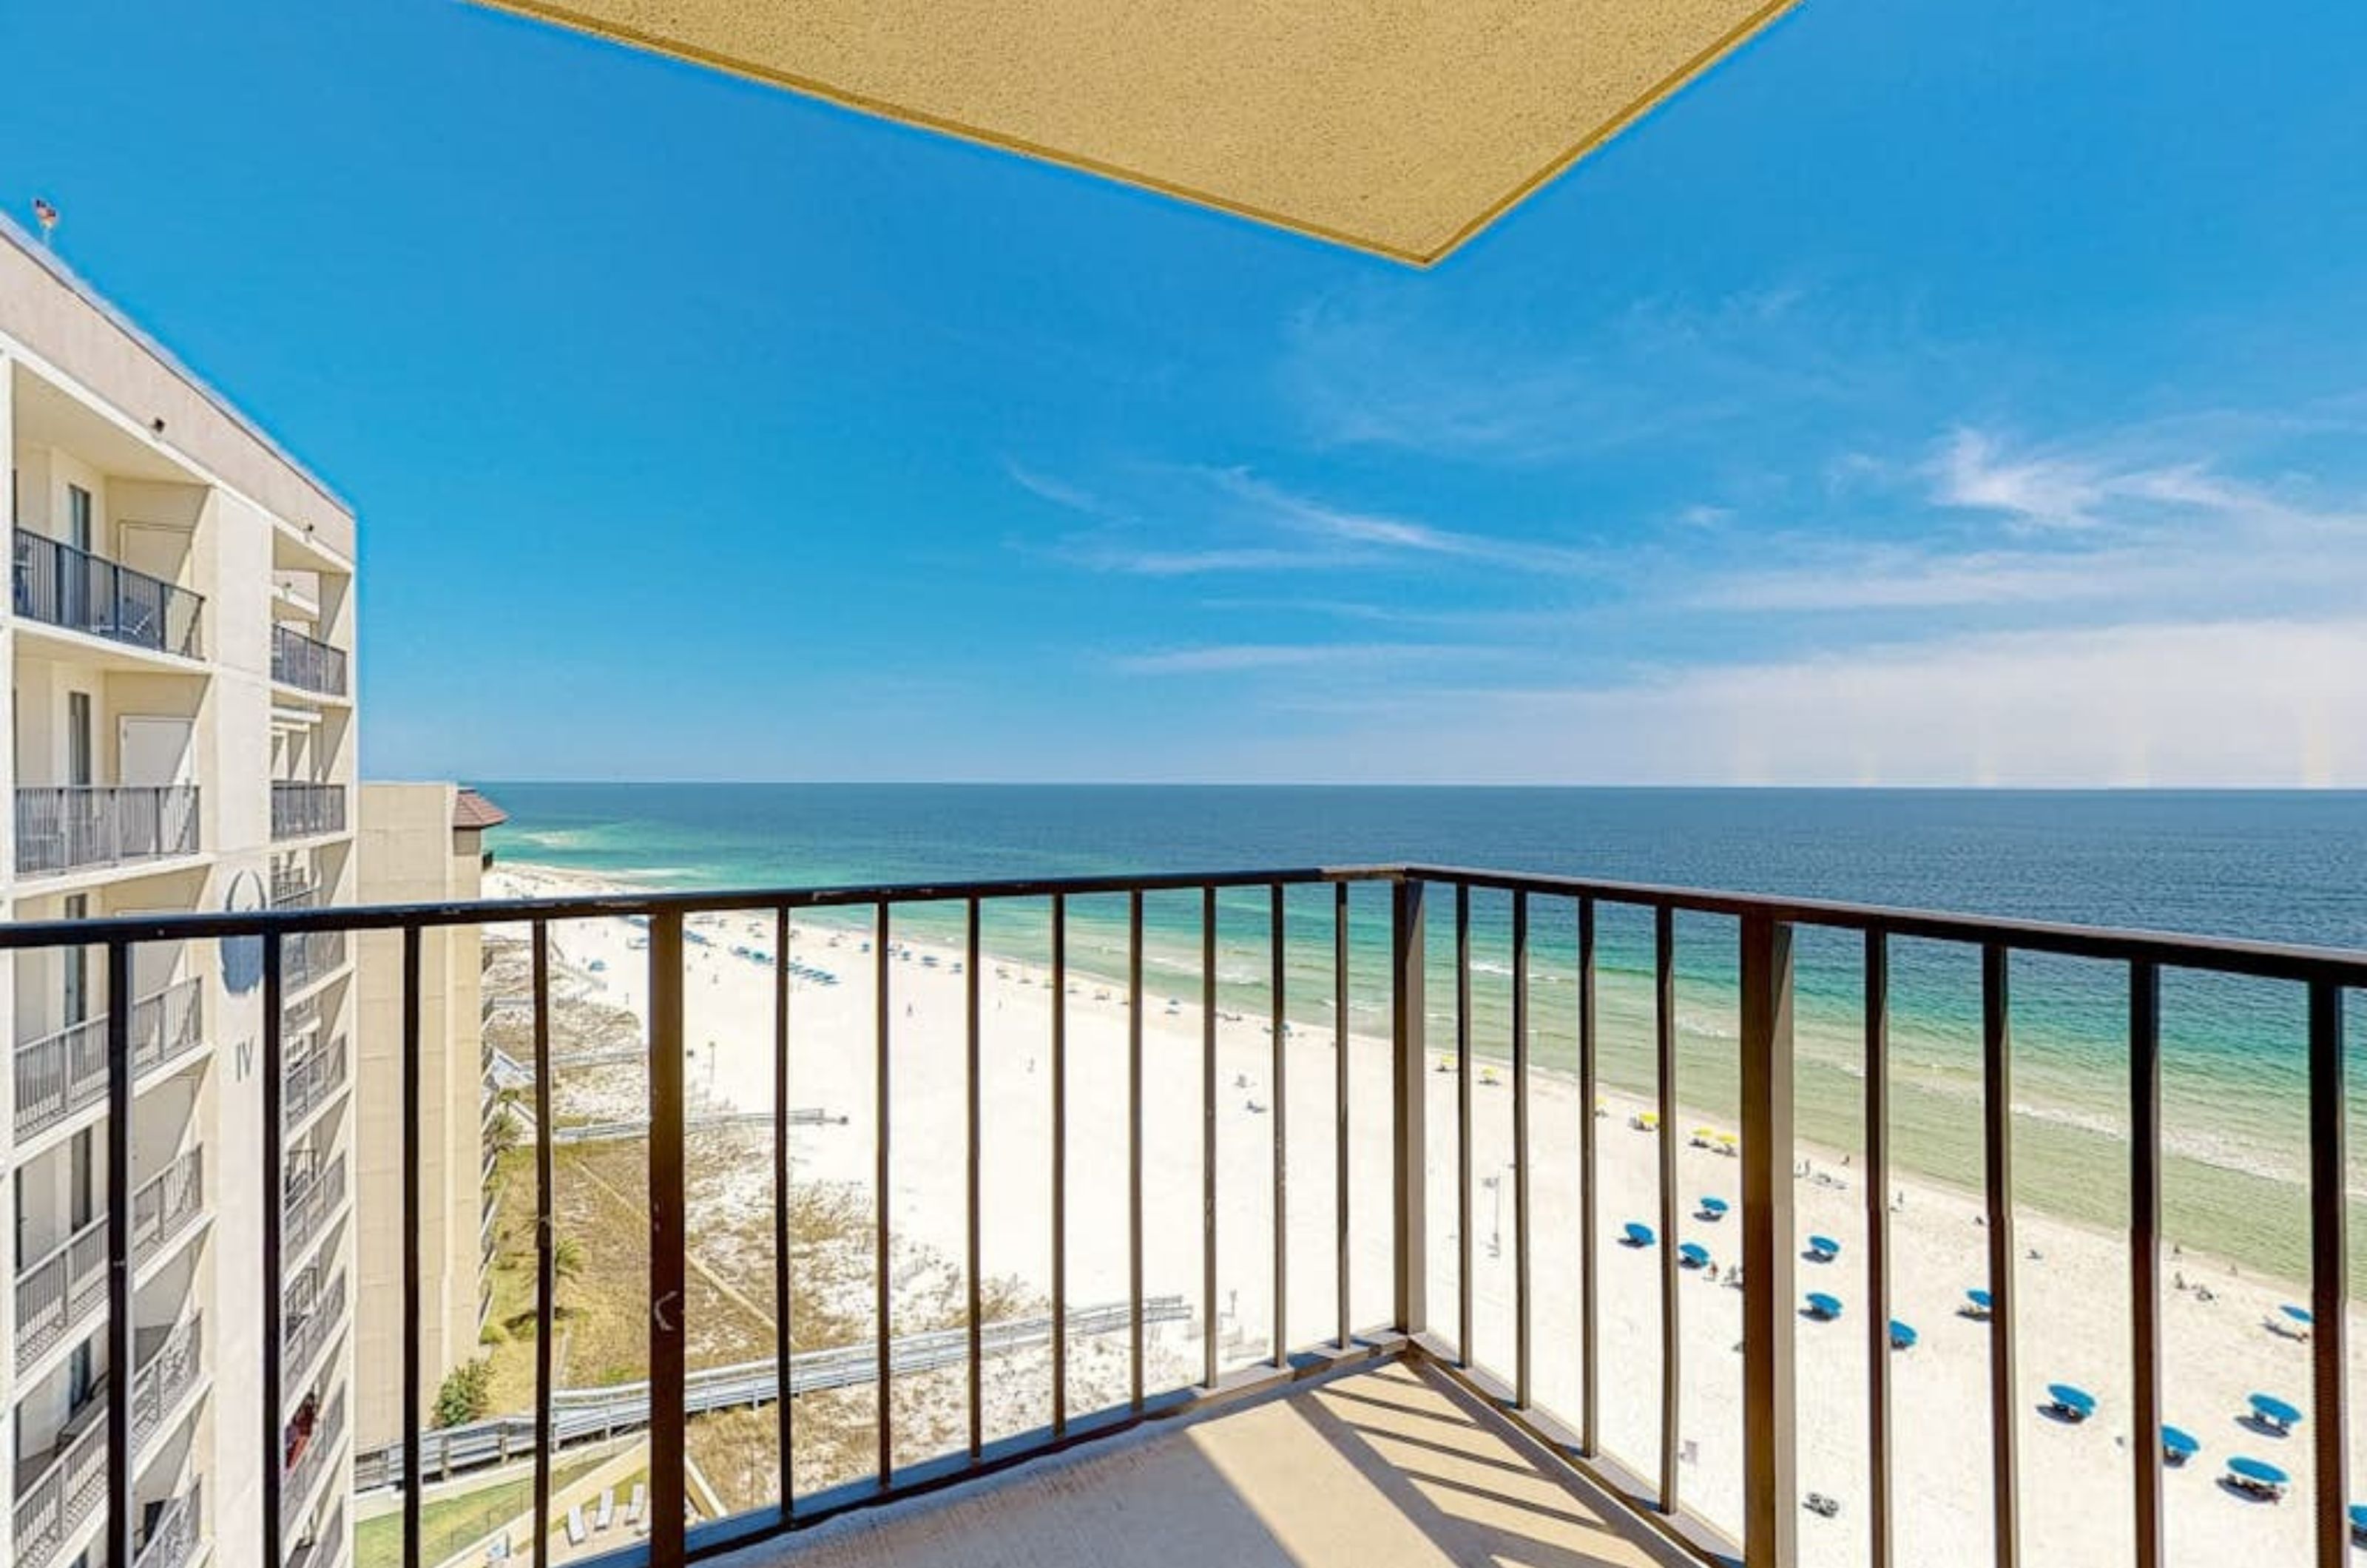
x: 2266, y: 865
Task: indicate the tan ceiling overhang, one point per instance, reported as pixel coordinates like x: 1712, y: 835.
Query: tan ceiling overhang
x: 1402, y: 127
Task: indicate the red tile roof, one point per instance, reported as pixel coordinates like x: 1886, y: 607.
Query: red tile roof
x: 471, y: 810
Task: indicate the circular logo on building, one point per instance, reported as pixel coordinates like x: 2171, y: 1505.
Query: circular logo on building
x: 242, y: 956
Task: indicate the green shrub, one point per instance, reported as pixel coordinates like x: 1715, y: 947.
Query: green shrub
x: 467, y: 1394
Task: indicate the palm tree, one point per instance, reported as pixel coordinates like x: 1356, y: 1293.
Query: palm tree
x: 566, y: 1266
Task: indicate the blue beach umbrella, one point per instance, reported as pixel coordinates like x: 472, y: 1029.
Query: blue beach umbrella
x: 1980, y: 1302
x: 1825, y: 1248
x: 1823, y: 1305
x: 1712, y: 1208
x: 2274, y: 1411
x: 2358, y: 1513
x: 2178, y: 1445
x: 1694, y: 1255
x: 2259, y: 1471
x: 2298, y: 1313
x: 1902, y: 1337
x: 2072, y: 1400
x: 1638, y: 1235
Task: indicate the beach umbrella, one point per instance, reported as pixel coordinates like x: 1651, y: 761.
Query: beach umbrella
x: 1902, y: 1337
x: 2274, y: 1411
x: 1712, y: 1208
x: 1825, y: 1248
x: 1980, y: 1302
x: 1694, y: 1255
x: 1823, y: 1305
x: 2358, y: 1512
x: 2258, y: 1471
x: 2178, y: 1445
x: 2300, y: 1314
x: 2072, y: 1400
x: 1639, y: 1235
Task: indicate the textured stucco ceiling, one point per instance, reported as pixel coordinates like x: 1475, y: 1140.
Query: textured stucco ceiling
x: 1399, y: 126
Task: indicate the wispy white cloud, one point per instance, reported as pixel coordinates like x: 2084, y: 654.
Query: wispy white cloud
x: 2263, y: 703
x: 1230, y: 659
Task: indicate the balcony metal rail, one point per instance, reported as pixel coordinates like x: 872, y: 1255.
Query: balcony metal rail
x: 73, y: 1488
x: 169, y: 1203
x: 313, y: 1313
x: 306, y: 1448
x: 174, y: 1534
x: 1762, y: 932
x: 61, y: 586
x: 61, y: 1073
x: 166, y: 1376
x: 63, y: 827
x: 313, y: 1079
x: 302, y: 810
x: 313, y: 1195
x: 307, y: 663
x: 321, y: 1549
x: 60, y: 1291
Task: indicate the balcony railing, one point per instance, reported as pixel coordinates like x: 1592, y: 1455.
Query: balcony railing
x: 61, y: 586
x: 314, y: 1313
x: 1428, y: 1107
x: 313, y: 1080
x: 313, y: 1195
x: 63, y: 827
x: 309, y: 1444
x: 307, y: 663
x: 73, y: 1488
x: 166, y: 1374
x: 61, y: 1073
x: 174, y: 1534
x: 60, y: 1291
x: 306, y: 810
x: 321, y: 1549
x: 168, y: 1203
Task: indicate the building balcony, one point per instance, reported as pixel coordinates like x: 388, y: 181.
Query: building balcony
x: 313, y: 1192
x: 69, y: 828
x: 312, y: 1313
x: 324, y: 1547
x: 302, y: 810
x: 1371, y: 1372
x: 60, y: 1291
x: 59, y: 585
x: 167, y: 1206
x: 66, y: 1071
x: 59, y: 1490
x: 175, y: 1532
x: 312, y: 1081
x: 307, y: 663
x: 310, y: 1448
x: 171, y: 1363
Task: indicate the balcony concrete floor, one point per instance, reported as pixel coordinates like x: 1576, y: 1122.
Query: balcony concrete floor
x: 1383, y: 1468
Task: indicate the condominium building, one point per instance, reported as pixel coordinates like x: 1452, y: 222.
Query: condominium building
x: 178, y: 658
x: 421, y: 844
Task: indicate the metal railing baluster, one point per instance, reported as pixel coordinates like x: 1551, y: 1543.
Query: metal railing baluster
x: 1408, y: 1157
x: 669, y: 1258
x: 1134, y: 1148
x: 882, y: 1307
x: 1664, y: 1040
x: 1770, y: 1434
x: 546, y: 1252
x: 1590, y: 1329
x: 2329, y: 1262
x: 974, y: 1149
x: 1880, y: 1539
x: 1522, y: 1385
x: 1208, y: 1136
x: 1339, y: 1100
x: 413, y: 1152
x: 1279, y: 942
x: 120, y: 1475
x: 1997, y: 1121
x: 1059, y: 1166
x: 1463, y: 1345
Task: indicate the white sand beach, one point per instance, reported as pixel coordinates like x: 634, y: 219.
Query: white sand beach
x: 2073, y: 1282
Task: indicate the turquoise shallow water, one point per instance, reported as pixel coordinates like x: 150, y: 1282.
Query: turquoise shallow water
x: 2274, y: 866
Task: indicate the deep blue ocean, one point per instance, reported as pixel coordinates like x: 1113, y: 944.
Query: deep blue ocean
x: 2277, y: 866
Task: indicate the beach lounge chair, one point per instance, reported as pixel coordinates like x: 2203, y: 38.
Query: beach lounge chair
x: 1824, y: 1507
x: 606, y: 1512
x: 1638, y: 1235
x: 1822, y: 1307
x: 2273, y: 1416
x: 2178, y: 1445
x: 576, y: 1534
x: 639, y: 1506
x: 2257, y: 1478
x: 2071, y: 1402
x: 2293, y: 1322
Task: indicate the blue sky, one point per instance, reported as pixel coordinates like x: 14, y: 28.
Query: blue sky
x: 1938, y: 392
